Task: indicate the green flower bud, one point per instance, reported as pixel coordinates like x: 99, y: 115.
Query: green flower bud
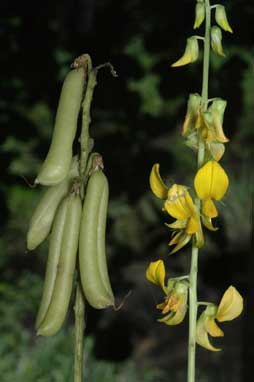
x: 199, y: 15
x: 192, y: 118
x: 216, y: 37
x: 190, y: 54
x: 221, y: 18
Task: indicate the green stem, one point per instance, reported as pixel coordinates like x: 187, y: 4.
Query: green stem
x: 194, y: 252
x: 86, y: 142
x: 79, y: 310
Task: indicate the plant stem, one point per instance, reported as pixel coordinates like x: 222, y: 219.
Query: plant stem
x: 79, y: 310
x: 86, y: 142
x: 194, y: 252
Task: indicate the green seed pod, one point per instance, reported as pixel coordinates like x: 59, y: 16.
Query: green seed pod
x: 58, y: 160
x: 42, y: 218
x: 92, y: 255
x: 58, y: 307
x: 52, y: 262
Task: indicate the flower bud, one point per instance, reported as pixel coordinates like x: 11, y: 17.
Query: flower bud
x: 221, y: 18
x: 193, y: 112
x: 216, y: 37
x: 199, y: 15
x: 217, y: 110
x: 190, y: 54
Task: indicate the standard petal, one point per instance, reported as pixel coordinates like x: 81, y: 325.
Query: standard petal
x: 211, y: 181
x: 155, y: 273
x: 231, y: 305
x: 156, y: 183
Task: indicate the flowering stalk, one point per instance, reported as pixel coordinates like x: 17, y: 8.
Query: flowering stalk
x: 203, y: 131
x: 194, y: 253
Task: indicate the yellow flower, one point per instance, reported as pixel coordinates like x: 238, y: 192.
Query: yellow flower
x: 190, y: 54
x: 230, y: 307
x: 175, y: 302
x: 178, y: 204
x: 211, y: 182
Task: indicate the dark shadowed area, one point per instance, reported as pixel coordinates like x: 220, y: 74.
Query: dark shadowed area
x: 136, y: 122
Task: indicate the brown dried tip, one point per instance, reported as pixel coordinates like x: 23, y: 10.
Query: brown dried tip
x: 80, y: 61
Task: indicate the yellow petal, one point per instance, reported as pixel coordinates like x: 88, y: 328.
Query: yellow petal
x: 155, y: 273
x: 177, y: 224
x: 231, y: 305
x: 179, y: 203
x: 202, y: 335
x: 208, y: 223
x: 212, y: 328
x: 209, y: 209
x: 182, y: 241
x: 192, y: 225
x: 156, y: 183
x: 211, y: 181
x: 190, y: 54
x: 180, y: 308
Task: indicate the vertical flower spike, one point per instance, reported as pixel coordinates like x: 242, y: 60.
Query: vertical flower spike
x: 156, y: 183
x: 231, y: 305
x: 211, y: 182
x: 216, y: 38
x: 221, y: 18
x: 199, y: 15
x: 190, y: 54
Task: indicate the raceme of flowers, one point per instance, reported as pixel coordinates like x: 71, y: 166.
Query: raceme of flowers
x: 174, y: 305
x: 210, y: 183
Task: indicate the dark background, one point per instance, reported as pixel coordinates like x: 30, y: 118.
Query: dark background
x: 136, y: 121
